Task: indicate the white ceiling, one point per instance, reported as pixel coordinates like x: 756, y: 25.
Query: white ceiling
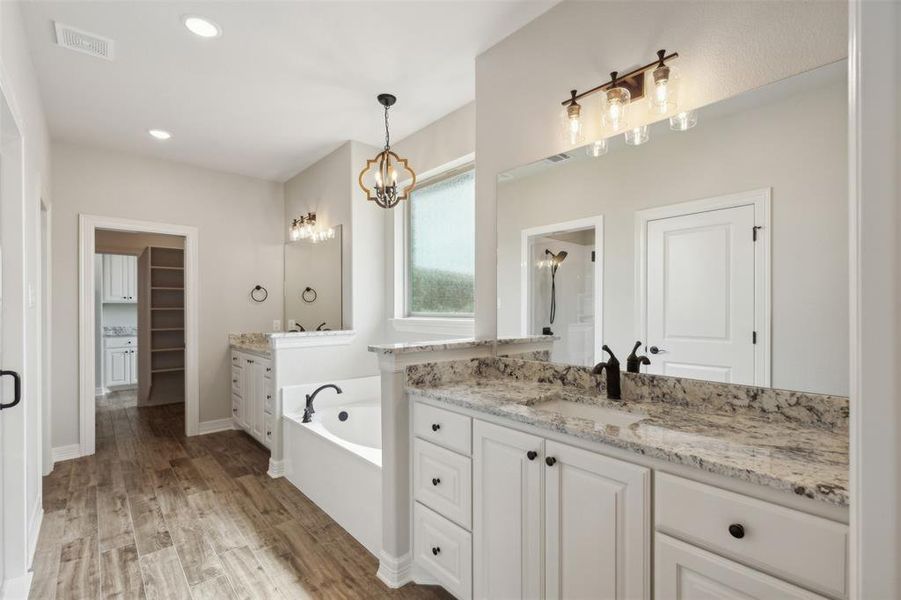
x: 286, y: 83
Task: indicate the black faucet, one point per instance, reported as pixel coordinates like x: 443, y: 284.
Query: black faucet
x: 633, y: 362
x: 612, y: 367
x: 308, y: 409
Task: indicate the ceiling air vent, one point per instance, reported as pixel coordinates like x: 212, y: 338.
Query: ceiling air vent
x: 82, y: 41
x: 558, y: 158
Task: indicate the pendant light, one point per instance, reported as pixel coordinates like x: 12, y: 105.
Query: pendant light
x: 383, y: 178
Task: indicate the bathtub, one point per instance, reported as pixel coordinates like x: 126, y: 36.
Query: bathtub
x: 336, y: 460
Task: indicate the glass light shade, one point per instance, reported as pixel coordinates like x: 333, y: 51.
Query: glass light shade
x: 598, y: 148
x: 616, y: 108
x: 637, y: 135
x: 665, y: 94
x: 572, y: 125
x: 683, y: 121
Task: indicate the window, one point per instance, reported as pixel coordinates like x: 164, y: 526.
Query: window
x: 441, y: 247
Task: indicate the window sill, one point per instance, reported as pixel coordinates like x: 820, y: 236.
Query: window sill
x: 436, y: 326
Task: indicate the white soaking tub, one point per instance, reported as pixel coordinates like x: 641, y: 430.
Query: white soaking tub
x: 336, y: 460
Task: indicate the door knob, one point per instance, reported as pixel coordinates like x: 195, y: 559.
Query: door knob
x: 737, y: 531
x: 435, y: 481
x: 550, y: 461
x: 531, y: 454
x: 435, y: 426
x: 656, y: 350
x: 436, y: 550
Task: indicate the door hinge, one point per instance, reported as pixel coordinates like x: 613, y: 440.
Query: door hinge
x: 754, y: 232
x: 753, y: 337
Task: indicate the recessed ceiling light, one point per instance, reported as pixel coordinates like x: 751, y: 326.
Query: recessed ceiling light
x: 160, y: 134
x: 202, y: 27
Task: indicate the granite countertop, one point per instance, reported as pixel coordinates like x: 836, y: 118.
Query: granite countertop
x: 775, y: 449
x: 119, y: 331
x: 251, y: 342
x: 454, y: 344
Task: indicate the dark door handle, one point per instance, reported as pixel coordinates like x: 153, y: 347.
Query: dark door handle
x: 737, y: 531
x: 550, y: 461
x: 435, y: 426
x: 436, y: 550
x: 17, y: 389
x: 435, y: 481
x: 656, y: 350
x: 531, y: 454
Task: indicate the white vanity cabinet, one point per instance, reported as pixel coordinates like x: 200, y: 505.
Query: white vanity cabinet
x: 593, y: 510
x: 120, y: 362
x: 252, y: 395
x: 120, y: 279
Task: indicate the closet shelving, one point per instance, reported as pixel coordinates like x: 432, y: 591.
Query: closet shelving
x: 165, y: 315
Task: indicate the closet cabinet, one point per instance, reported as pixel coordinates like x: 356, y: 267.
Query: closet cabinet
x: 120, y: 364
x: 594, y: 512
x: 120, y: 279
x: 252, y: 395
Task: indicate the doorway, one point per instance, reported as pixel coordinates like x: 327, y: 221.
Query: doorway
x: 137, y: 321
x: 562, y: 287
x: 719, y: 246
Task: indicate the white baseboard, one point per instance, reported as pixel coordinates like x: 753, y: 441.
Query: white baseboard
x: 69, y: 452
x: 395, y: 572
x: 276, y: 468
x: 16, y: 589
x: 34, y: 527
x: 213, y: 426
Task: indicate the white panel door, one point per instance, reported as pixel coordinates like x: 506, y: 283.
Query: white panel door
x: 684, y: 572
x: 700, y: 295
x: 506, y: 512
x: 597, y: 526
x: 115, y: 283
x: 132, y: 366
x: 131, y: 278
x: 117, y: 366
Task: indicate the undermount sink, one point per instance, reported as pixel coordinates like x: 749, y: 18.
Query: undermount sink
x: 592, y: 412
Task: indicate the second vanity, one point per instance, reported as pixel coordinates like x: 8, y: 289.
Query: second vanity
x: 528, y: 482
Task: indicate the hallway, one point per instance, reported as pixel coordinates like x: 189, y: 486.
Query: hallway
x: 156, y: 515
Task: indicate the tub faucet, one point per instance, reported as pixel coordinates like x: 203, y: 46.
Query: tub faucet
x: 612, y: 368
x: 308, y: 409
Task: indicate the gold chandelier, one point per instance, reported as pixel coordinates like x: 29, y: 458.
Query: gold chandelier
x: 381, y: 173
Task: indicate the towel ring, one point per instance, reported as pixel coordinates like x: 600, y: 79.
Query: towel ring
x: 309, y: 295
x: 254, y: 293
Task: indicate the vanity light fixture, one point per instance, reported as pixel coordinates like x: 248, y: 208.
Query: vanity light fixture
x: 305, y: 228
x: 572, y: 122
x: 637, y: 135
x: 597, y: 148
x: 683, y: 121
x: 383, y: 179
x: 616, y: 105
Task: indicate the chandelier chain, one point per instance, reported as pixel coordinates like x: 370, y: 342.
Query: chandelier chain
x: 387, y: 137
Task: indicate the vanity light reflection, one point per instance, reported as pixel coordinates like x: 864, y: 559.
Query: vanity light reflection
x: 637, y: 135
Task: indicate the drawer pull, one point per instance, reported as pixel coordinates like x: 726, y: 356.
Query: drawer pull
x: 550, y: 461
x: 235, y: 410
x: 268, y: 369
x: 268, y: 434
x: 268, y: 396
x: 436, y: 550
x: 435, y: 426
x: 435, y: 481
x: 737, y: 531
x: 234, y: 381
x: 532, y: 454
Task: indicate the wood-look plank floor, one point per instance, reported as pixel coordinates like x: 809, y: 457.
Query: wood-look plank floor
x: 156, y: 515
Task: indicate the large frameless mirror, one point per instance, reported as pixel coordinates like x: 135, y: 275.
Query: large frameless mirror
x: 313, y: 284
x: 720, y: 248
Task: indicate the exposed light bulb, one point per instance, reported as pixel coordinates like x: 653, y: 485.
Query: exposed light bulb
x: 683, y: 121
x: 597, y: 148
x: 664, y: 97
x: 616, y: 106
x: 572, y: 122
x: 637, y: 135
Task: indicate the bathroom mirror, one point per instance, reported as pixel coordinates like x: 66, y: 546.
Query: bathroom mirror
x: 313, y: 284
x: 722, y: 248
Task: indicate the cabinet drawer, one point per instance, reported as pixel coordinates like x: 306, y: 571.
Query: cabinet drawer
x: 120, y: 342
x: 444, y: 550
x: 789, y: 544
x: 442, y: 480
x: 266, y: 367
x: 443, y: 427
x: 268, y: 429
x: 236, y: 381
x: 268, y: 397
x: 236, y: 407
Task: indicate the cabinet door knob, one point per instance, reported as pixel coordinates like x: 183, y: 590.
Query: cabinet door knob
x: 532, y: 454
x: 550, y: 461
x: 268, y: 433
x: 737, y: 531
x: 435, y: 481
x: 268, y: 397
x: 435, y: 426
x: 436, y: 550
x: 235, y: 410
x: 268, y: 369
x: 234, y: 381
